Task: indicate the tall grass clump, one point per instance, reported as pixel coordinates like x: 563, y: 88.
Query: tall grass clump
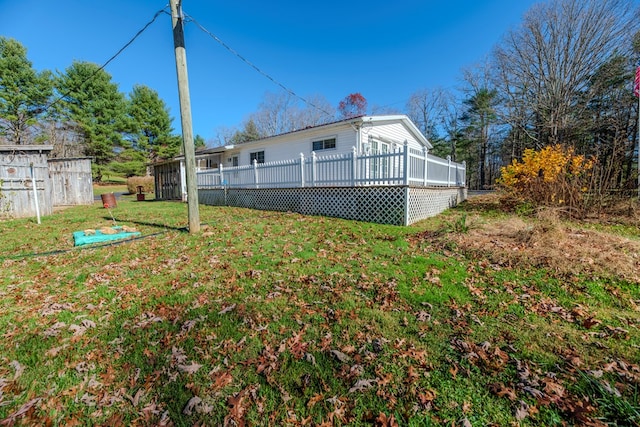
x: 146, y: 182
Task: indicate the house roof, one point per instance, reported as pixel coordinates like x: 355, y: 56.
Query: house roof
x: 25, y: 148
x: 353, y: 121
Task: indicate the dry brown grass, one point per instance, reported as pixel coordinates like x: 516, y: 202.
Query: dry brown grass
x: 547, y: 242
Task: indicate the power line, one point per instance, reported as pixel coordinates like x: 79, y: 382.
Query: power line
x: 255, y: 67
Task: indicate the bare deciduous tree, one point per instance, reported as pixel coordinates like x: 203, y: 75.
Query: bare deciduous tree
x: 426, y: 108
x: 281, y: 112
x: 547, y: 63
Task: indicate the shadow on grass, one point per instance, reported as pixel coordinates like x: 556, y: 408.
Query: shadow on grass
x: 146, y: 223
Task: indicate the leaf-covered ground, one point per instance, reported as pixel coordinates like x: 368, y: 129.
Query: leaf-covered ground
x: 265, y: 318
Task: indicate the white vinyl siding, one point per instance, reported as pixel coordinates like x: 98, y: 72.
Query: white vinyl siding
x: 396, y: 133
x: 290, y: 146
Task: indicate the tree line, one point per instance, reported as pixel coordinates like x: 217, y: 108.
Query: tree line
x: 564, y: 76
x: 81, y: 112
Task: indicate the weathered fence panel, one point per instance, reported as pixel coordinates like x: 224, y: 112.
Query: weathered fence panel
x: 71, y: 181
x: 25, y: 187
x: 168, y: 183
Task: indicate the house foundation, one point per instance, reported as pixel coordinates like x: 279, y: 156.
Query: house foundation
x: 395, y: 205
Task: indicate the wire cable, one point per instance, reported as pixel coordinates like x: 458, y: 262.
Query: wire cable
x: 255, y: 67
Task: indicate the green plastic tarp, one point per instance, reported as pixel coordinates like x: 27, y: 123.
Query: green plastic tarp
x: 81, y: 238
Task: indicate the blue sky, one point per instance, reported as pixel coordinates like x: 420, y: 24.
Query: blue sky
x: 384, y: 50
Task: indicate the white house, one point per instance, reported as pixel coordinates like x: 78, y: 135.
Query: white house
x: 386, y: 154
x: 368, y: 134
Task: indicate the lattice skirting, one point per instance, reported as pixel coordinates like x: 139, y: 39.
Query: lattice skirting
x: 397, y: 205
x: 427, y: 202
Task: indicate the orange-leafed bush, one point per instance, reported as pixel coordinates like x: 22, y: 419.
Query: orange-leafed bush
x: 146, y: 182
x: 553, y: 176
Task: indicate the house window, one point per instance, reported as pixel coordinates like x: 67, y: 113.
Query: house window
x: 258, y: 156
x: 325, y: 144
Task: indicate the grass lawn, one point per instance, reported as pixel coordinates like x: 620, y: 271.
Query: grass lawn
x: 475, y: 317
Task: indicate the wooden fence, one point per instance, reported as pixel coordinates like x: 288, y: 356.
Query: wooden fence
x: 71, y: 181
x: 25, y: 186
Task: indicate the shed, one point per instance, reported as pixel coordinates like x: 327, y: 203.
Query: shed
x: 71, y: 181
x: 22, y: 166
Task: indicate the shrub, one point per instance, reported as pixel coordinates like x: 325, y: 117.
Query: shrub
x: 554, y: 176
x: 146, y: 182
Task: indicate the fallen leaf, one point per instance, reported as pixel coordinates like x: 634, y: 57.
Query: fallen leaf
x: 426, y: 397
x: 191, y: 368
x: 178, y: 355
x: 362, y: 384
x: 590, y: 322
x: 315, y: 399
x: 310, y: 358
x: 10, y: 420
x: 384, y: 421
x: 501, y: 390
x: 453, y: 370
x: 190, y: 407
x: 77, y: 330
x: 88, y: 399
x: 88, y: 323
x: 522, y: 411
x: 227, y: 309
x: 19, y: 369
x: 423, y: 316
x: 221, y: 379
x: 341, y: 356
x: 135, y: 399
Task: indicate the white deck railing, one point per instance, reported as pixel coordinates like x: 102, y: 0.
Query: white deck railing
x: 407, y: 166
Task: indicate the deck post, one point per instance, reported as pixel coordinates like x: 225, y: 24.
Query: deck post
x: 302, y: 170
x: 313, y: 168
x: 255, y: 172
x: 406, y: 162
x: 221, y: 174
x: 464, y: 168
x: 448, y: 171
x: 425, y: 151
x: 354, y: 164
x: 407, y: 194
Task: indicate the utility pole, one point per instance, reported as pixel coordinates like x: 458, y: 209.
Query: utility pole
x: 185, y: 115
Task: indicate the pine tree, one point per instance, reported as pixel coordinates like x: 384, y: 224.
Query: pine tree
x: 92, y: 103
x: 24, y: 93
x: 151, y: 125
